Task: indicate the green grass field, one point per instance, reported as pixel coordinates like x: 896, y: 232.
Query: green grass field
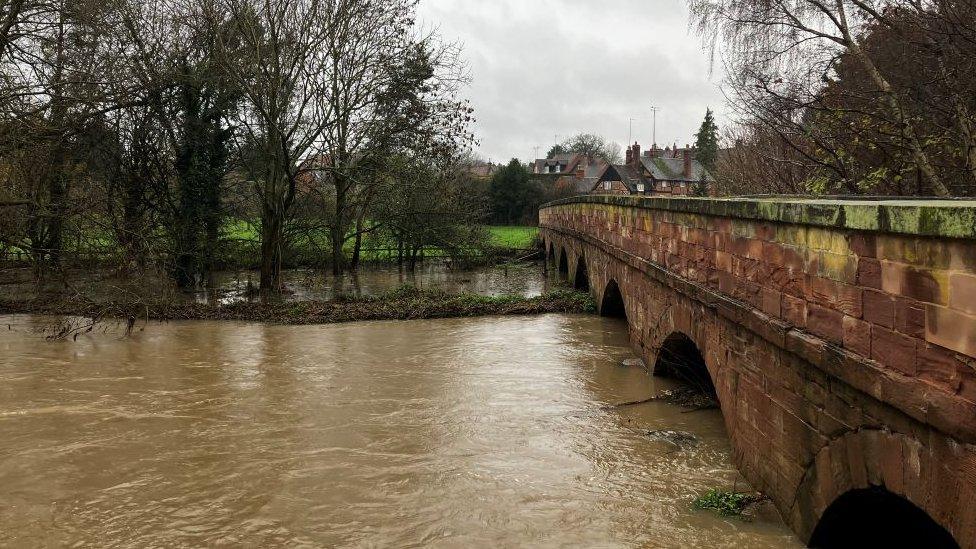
x: 244, y: 239
x: 513, y: 236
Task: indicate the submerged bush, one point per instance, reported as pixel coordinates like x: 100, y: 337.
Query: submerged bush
x: 727, y: 503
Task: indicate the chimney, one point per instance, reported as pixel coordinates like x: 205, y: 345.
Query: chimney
x: 636, y: 155
x: 687, y: 162
x: 630, y: 156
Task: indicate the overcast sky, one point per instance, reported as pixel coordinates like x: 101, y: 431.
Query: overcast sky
x: 544, y: 68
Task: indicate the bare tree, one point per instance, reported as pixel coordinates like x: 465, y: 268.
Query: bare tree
x: 391, y: 91
x: 279, y: 62
x: 783, y: 54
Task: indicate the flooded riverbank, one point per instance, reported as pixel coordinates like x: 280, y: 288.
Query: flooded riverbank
x: 494, y: 431
x: 526, y: 279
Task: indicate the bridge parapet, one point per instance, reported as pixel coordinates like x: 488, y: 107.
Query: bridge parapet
x: 878, y: 295
x: 891, y: 280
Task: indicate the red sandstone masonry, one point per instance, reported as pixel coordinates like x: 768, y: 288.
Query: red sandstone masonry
x: 831, y: 270
x: 831, y: 335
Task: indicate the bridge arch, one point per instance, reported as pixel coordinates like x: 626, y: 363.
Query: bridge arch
x: 876, y: 517
x: 581, y: 279
x: 551, y: 252
x: 877, y: 485
x: 612, y: 301
x: 563, y: 264
x: 680, y: 358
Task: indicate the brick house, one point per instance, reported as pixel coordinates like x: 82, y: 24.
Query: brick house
x: 584, y: 177
x: 659, y: 172
x: 559, y: 164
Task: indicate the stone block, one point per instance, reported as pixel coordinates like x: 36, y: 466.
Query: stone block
x: 893, y: 350
x: 939, y: 366
x: 897, y: 248
x: 879, y: 308
x: 857, y: 336
x: 747, y: 247
x: 962, y: 292
x: 922, y: 284
x: 910, y: 317
x: 946, y: 254
x: 845, y: 298
x: 772, y: 253
x: 868, y: 273
x: 951, y: 329
x: 772, y: 302
x: 839, y: 267
x: 826, y: 323
x: 794, y: 310
x: 863, y: 244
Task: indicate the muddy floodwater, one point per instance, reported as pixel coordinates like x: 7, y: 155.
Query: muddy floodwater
x: 486, y: 432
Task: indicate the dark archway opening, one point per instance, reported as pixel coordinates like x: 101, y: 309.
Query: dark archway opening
x: 551, y: 256
x: 582, y: 280
x: 680, y: 358
x: 563, y: 265
x: 612, y: 304
x: 875, y: 517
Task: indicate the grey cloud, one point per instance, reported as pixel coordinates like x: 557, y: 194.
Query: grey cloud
x: 557, y: 67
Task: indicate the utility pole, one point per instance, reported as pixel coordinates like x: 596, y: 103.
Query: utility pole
x: 654, y: 115
x: 630, y: 136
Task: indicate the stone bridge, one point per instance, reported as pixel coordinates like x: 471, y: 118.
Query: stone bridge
x: 839, y: 337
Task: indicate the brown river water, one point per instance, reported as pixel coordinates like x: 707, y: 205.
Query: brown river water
x: 483, y: 432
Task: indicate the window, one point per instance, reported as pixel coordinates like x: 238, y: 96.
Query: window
x: 640, y: 187
x: 607, y: 185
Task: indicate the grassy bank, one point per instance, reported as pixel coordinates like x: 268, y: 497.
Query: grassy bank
x: 405, y: 303
x: 240, y: 247
x: 513, y: 237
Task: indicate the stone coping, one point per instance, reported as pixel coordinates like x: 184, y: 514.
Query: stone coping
x: 923, y: 217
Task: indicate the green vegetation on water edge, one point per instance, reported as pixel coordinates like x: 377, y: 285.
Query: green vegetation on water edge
x: 404, y: 303
x: 727, y: 503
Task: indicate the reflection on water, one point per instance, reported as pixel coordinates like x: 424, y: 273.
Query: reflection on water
x: 451, y: 433
x: 526, y: 279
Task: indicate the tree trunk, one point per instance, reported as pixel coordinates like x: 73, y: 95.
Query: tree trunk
x: 130, y: 236
x: 354, y: 264
x: 338, y: 228
x: 271, y: 244
x: 414, y: 252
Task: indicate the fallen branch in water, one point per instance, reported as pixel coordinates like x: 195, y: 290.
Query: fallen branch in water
x: 686, y: 397
x: 635, y: 402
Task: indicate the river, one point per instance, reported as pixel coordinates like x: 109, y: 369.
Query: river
x: 482, y: 432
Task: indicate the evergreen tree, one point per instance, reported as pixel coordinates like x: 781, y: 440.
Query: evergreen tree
x: 706, y: 149
x: 513, y: 195
x: 706, y: 142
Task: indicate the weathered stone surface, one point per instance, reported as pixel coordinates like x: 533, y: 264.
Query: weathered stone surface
x: 840, y: 336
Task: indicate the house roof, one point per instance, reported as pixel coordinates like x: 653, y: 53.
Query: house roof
x: 628, y: 175
x: 672, y: 169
